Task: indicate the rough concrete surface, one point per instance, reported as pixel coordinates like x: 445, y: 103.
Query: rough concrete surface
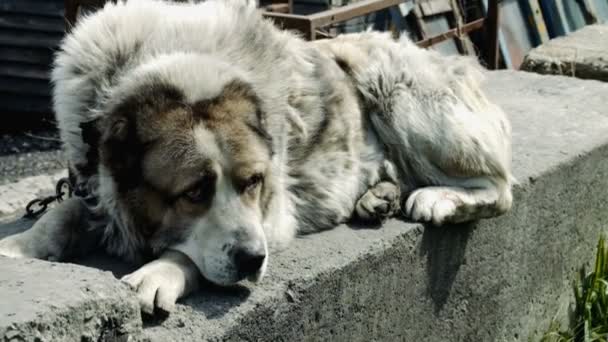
x: 14, y: 167
x: 497, y: 280
x: 43, y: 301
x: 582, y: 54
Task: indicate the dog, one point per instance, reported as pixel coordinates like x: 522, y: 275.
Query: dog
x: 204, y: 137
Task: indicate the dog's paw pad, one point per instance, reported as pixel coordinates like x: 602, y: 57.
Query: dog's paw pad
x: 431, y: 205
x: 379, y: 202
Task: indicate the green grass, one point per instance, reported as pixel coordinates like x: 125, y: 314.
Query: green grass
x: 589, y: 320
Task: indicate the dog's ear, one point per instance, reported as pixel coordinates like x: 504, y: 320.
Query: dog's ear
x: 120, y: 148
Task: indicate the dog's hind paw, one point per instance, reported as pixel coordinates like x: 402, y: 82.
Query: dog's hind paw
x: 379, y: 202
x: 432, y: 204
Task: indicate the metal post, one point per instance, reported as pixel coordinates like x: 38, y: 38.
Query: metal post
x: 492, y: 24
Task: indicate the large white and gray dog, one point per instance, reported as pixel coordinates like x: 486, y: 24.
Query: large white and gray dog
x: 205, y: 137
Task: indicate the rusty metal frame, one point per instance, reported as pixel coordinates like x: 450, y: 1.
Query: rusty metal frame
x: 453, y: 33
x: 309, y: 25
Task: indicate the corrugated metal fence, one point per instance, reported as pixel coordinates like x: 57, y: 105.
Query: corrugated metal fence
x: 30, y: 31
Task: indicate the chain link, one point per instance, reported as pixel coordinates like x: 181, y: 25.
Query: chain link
x: 63, y: 189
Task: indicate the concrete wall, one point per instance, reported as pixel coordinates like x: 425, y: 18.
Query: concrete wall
x: 496, y: 280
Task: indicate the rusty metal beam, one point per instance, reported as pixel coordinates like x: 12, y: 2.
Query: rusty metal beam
x: 293, y: 22
x: 357, y: 9
x: 466, y: 28
x: 308, y: 24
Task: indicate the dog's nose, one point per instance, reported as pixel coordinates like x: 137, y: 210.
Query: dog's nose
x: 248, y: 262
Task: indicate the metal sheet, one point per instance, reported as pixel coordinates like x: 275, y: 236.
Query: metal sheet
x: 30, y: 31
x: 536, y: 23
x: 601, y: 7
x: 514, y: 37
x: 553, y: 19
x: 571, y: 14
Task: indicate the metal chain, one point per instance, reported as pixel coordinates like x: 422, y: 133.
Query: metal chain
x: 39, y: 205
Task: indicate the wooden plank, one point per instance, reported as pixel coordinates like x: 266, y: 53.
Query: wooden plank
x: 43, y: 56
x: 32, y: 22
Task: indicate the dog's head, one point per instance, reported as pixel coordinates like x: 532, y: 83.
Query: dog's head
x: 188, y: 164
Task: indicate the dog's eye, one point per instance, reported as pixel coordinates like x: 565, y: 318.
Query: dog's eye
x: 200, y: 191
x: 196, y: 195
x: 253, y: 181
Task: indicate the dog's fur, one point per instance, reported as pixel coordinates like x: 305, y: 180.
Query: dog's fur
x: 203, y: 130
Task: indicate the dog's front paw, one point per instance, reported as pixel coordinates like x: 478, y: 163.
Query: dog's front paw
x: 379, y: 202
x: 160, y: 283
x: 435, y: 205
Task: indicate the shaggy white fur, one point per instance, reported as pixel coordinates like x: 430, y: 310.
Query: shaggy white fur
x: 355, y: 124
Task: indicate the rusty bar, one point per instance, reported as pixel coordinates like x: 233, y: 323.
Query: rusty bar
x: 287, y: 21
x: 357, y: 9
x: 466, y: 28
x: 491, y: 34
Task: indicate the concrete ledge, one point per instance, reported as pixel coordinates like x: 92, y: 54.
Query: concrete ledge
x: 43, y: 301
x: 582, y: 54
x: 497, y: 280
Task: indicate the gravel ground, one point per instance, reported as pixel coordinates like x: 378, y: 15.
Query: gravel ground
x: 29, y: 154
x: 17, y: 166
x: 30, y: 164
x: 29, y: 142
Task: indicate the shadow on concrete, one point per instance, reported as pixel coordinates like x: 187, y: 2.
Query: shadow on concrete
x: 357, y: 224
x: 215, y: 301
x: 444, y: 248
